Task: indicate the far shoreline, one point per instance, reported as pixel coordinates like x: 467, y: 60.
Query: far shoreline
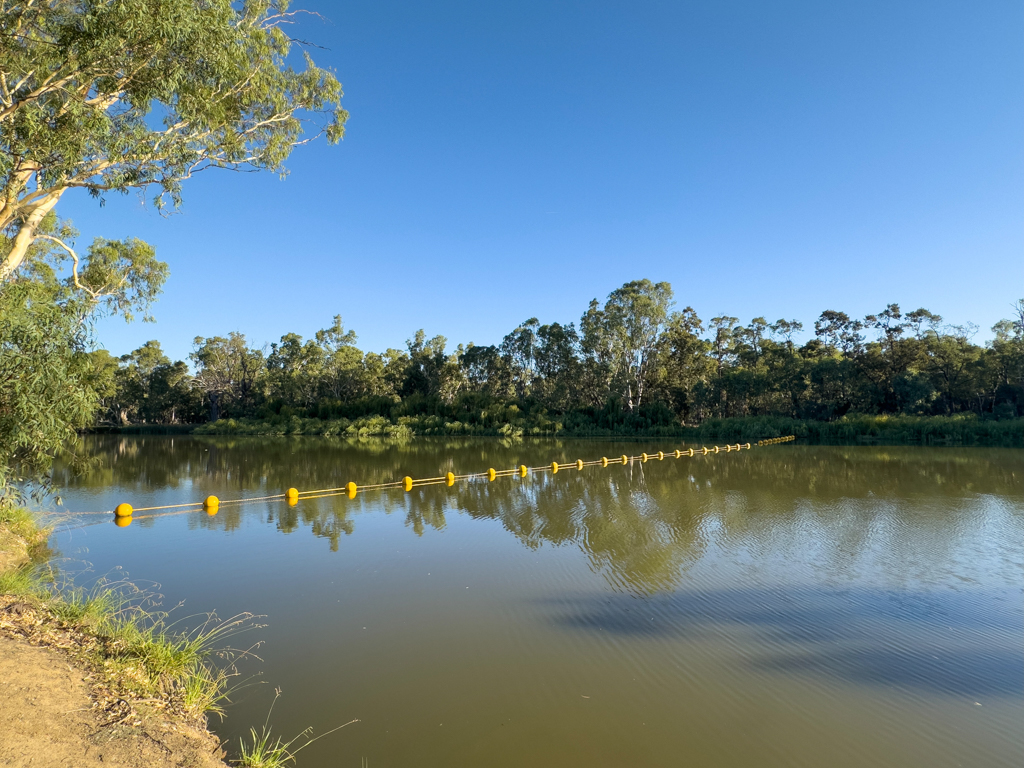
x: 849, y: 430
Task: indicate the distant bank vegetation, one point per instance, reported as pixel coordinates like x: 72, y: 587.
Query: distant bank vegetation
x: 631, y: 365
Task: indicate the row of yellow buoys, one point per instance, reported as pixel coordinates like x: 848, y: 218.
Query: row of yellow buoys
x: 776, y: 440
x: 211, y: 504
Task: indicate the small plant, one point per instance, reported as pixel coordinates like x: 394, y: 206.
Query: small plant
x: 269, y: 751
x: 20, y: 522
x: 157, y: 659
x: 20, y: 582
x: 137, y: 647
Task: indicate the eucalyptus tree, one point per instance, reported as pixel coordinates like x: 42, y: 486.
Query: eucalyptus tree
x: 558, y: 364
x: 432, y: 371
x: 343, y: 374
x: 520, y: 348
x: 688, y: 365
x: 109, y: 96
x: 229, y: 372
x: 295, y: 370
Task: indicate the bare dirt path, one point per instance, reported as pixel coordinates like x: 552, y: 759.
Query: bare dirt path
x: 47, y: 718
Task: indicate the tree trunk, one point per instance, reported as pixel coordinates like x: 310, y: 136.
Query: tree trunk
x: 26, y: 235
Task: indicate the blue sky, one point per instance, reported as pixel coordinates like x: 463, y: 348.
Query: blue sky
x: 509, y: 160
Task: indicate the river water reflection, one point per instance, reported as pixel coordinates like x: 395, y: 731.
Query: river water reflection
x: 786, y: 606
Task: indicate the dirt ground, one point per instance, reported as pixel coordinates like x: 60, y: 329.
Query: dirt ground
x: 55, y: 712
x: 47, y: 718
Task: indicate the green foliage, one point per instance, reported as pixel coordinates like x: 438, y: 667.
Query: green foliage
x: 369, y: 426
x: 51, y: 385
x: 633, y: 367
x: 109, y: 96
x: 46, y: 394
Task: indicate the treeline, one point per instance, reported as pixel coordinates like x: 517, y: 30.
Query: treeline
x: 631, y: 365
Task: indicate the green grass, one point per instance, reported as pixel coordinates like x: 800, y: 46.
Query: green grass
x: 18, y: 521
x: 138, y: 648
x: 21, y: 582
x: 155, y: 658
x: 268, y: 751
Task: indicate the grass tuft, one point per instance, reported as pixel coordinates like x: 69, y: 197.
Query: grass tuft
x: 22, y: 523
x: 22, y: 582
x: 269, y: 751
x: 144, y: 655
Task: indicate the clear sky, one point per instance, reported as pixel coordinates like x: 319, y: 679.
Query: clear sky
x: 513, y: 159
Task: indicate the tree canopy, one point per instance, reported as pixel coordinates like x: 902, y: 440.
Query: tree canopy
x: 631, y: 364
x: 109, y: 96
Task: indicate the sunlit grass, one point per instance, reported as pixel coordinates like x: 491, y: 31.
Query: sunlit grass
x: 21, y: 582
x: 20, y: 522
x: 266, y: 750
x: 136, y: 646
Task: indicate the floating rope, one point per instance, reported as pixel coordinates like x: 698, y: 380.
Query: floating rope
x: 125, y: 513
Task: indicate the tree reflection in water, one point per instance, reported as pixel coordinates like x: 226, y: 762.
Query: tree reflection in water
x: 639, y: 525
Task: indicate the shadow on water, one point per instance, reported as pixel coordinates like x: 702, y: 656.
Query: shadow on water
x: 924, y: 641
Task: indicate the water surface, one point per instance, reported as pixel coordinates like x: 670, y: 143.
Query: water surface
x: 786, y: 606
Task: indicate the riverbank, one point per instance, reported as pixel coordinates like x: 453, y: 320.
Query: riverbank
x: 89, y: 679
x: 899, y: 430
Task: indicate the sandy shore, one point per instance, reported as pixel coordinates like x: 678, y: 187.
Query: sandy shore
x: 55, y: 710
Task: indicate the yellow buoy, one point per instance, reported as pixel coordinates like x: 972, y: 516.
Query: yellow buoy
x: 705, y: 450
x: 625, y: 459
x: 352, y: 489
x: 678, y: 453
x: 123, y: 521
x: 292, y: 494
x: 579, y: 463
x: 123, y: 510
x: 523, y: 470
x: 491, y: 474
x: 211, y: 502
x: 661, y: 455
x: 728, y: 448
x: 450, y: 478
x: 554, y: 467
x: 691, y: 451
x: 604, y: 461
x: 643, y: 457
x: 407, y: 483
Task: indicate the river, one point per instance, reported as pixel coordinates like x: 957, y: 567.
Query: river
x: 784, y: 606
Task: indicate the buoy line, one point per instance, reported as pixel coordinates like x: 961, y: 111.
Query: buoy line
x: 124, y: 513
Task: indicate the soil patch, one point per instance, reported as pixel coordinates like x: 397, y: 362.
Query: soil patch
x: 48, y: 717
x: 56, y: 709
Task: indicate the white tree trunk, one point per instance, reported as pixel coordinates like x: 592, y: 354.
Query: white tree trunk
x: 26, y: 235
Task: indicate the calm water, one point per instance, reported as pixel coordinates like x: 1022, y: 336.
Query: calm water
x: 786, y: 606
